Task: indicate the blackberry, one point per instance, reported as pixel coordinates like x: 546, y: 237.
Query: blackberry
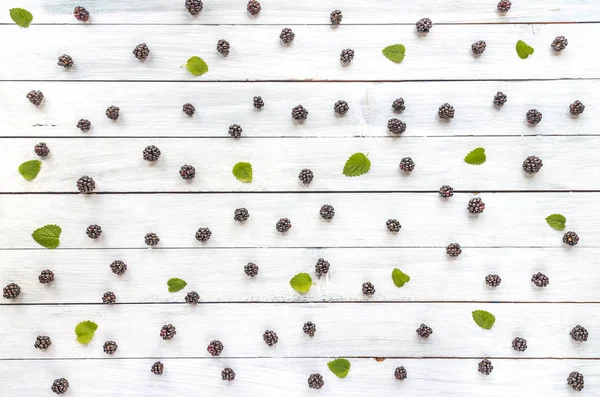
x: 93, y: 231
x: 85, y: 184
x: 151, y: 153
x: 315, y: 381
x: 485, y: 366
x: 46, y: 277
x: 579, y: 333
x: 398, y: 105
x: 235, y: 131
x: 251, y: 269
x: 446, y: 191
x: 81, y: 14
x: 192, y: 298
x: 84, y: 125
x: 309, y: 328
x: 287, y: 36
x: 112, y: 112
x: 533, y: 116
x: 335, y: 17
x: 504, y: 5
x: 500, y: 98
x: 575, y: 380
x: 519, y: 344
x: 493, y: 280
x: 151, y: 239
x: 253, y: 7
x: 241, y: 215
x: 532, y: 164
x: 35, y: 97
x: 118, y: 267
x: 341, y: 107
x: 189, y: 109
x: 168, y: 332
x: 540, y: 280
x: 283, y: 225
x: 476, y: 206
x: 347, y: 55
x: 423, y: 25
x: 223, y: 47
x: 446, y: 111
x: 299, y: 113
x: 109, y: 298
x: 65, y: 61
x: 576, y: 108
x: 227, y: 374
x: 407, y: 164
x: 396, y: 126
x: 424, y: 331
x: 194, y: 6
x: 559, y: 43
x: 110, y: 347
x: 11, y: 291
x: 393, y: 225
x: 258, y: 102
x: 322, y: 267
x: 215, y: 348
x: 187, y: 172
x: 453, y: 250
x: 141, y: 51
x: 41, y: 149
x: 157, y: 368
x: 400, y: 373
x: 368, y: 289
x: 203, y: 234
x: 570, y: 238
x: 478, y: 47
x: 42, y: 342
x: 306, y: 176
x: 327, y: 212
x: 60, y: 386
x: 270, y: 337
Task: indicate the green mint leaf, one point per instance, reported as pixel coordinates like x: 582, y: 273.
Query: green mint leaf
x: 21, y: 17
x: 85, y: 331
x: 476, y: 156
x: 484, y: 319
x: 301, y: 282
x: 557, y: 221
x: 196, y: 66
x: 394, y: 52
x: 523, y: 50
x: 399, y: 278
x: 356, y: 165
x: 30, y: 169
x: 47, y: 236
x: 340, y: 367
x: 243, y: 172
x: 176, y: 284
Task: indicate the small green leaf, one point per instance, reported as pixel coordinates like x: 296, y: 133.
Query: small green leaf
x: 340, y: 367
x: 301, y: 282
x: 557, y: 221
x: 399, y: 278
x: 176, y: 284
x: 356, y: 165
x: 523, y: 50
x: 47, y: 236
x: 85, y: 331
x: 484, y: 319
x: 30, y: 169
x: 394, y: 52
x: 476, y: 156
x: 196, y: 66
x: 243, y: 172
x: 21, y: 17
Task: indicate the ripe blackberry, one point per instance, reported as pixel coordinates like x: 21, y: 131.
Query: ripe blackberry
x: 157, y: 368
x: 322, y: 267
x: 453, y: 250
x: 93, y: 231
x: 194, y: 6
x: 81, y: 14
x: 251, y: 269
x: 476, y: 206
x: 575, y: 380
x: 446, y: 111
x: 532, y: 164
x: 368, y: 289
x: 283, y: 225
x: 253, y: 7
x: 407, y: 164
x: 241, y: 215
x: 485, y: 366
x: 141, y: 51
x: 192, y: 298
x: 396, y: 126
x: 85, y: 184
x: 215, y: 348
x: 287, y: 36
x: 235, y: 131
x: 109, y: 298
x: 393, y: 225
x: 423, y: 25
x: 519, y: 344
x: 478, y: 47
x: 579, y: 333
x: 223, y: 47
x: 35, y: 97
x: 189, y: 109
x: 398, y: 105
x: 167, y: 332
x: 65, y: 61
x: 335, y: 17
x: 570, y: 238
x: 60, y: 386
x: 112, y: 112
x: 315, y: 381
x: 270, y: 337
x: 203, y: 234
x: 258, y: 102
x: 347, y: 55
x: 187, y: 172
x: 533, y: 116
x: 84, y: 125
x: 151, y: 239
x: 341, y: 107
x: 327, y: 212
x: 42, y: 342
x: 46, y: 277
x: 576, y: 108
x: 309, y: 328
x: 299, y: 113
x: 400, y: 373
x: 424, y: 331
x: 559, y: 43
x: 151, y: 153
x: 11, y: 291
x: 540, y: 280
x: 446, y: 191
x: 118, y: 267
x: 306, y: 176
x: 41, y: 149
x: 110, y: 347
x: 504, y: 5
x: 227, y: 374
x: 493, y: 280
x: 500, y: 98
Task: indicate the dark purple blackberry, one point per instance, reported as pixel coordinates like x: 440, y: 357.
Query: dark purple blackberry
x: 223, y: 47
x: 559, y: 43
x: 241, y: 215
x: 423, y: 25
x: 393, y: 225
x: 168, y: 332
x: 400, y: 373
x: 533, y: 116
x: 194, y: 6
x: 287, y: 36
x: 315, y: 381
x: 65, y: 61
x: 570, y: 238
x: 118, y: 267
x: 407, y: 164
x: 84, y: 125
x: 453, y: 250
x: 493, y: 280
x: 112, y: 112
x: 270, y: 337
x: 485, y: 366
x: 151, y: 153
x: 203, y: 234
x: 327, y: 212
x: 81, y: 14
x: 85, y: 184
x: 396, y: 126
x: 189, y: 109
x: 446, y: 111
x: 141, y: 51
x: 227, y: 374
x: 519, y: 344
x: 424, y: 331
x: 283, y: 225
x: 309, y: 328
x: 299, y: 113
x: 46, y: 276
x: 41, y: 149
x: 253, y: 7
x: 110, y: 347
x: 540, y: 280
x: 258, y: 102
x: 579, y: 334
x: 341, y: 107
x: 109, y: 298
x: 157, y: 368
x: 60, y: 386
x: 504, y: 5
x: 335, y: 17
x: 35, y: 97
x: 347, y: 55
x: 575, y: 380
x: 576, y: 108
x: 500, y: 98
x: 532, y: 164
x: 476, y: 206
x: 251, y: 269
x: 187, y: 172
x: 215, y: 348
x: 192, y: 298
x: 446, y: 191
x: 368, y: 289
x: 235, y: 131
x: 151, y: 239
x: 398, y: 105
x: 322, y: 267
x: 93, y: 231
x: 478, y: 47
x: 306, y: 176
x: 42, y: 342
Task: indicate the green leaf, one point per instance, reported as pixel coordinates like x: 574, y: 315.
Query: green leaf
x: 196, y: 66
x: 243, y: 172
x: 484, y: 319
x: 21, y: 17
x: 356, y: 165
x: 557, y: 221
x: 47, y: 236
x: 394, y: 52
x: 476, y: 156
x: 30, y: 169
x: 523, y: 50
x: 85, y: 331
x: 176, y: 284
x: 399, y: 278
x: 301, y: 282
x: 340, y: 367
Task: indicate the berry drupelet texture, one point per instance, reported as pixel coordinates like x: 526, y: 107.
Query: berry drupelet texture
x: 341, y: 107
x: 407, y: 164
x: 241, y: 215
x: 187, y: 172
x: 85, y: 184
x: 283, y: 225
x: 478, y: 47
x: 251, y: 269
x: 84, y: 125
x: 575, y: 380
x: 396, y: 126
x: 306, y: 176
x: 335, y: 17
x: 347, y: 55
x: 270, y: 337
x: 532, y: 164
x: 453, y: 250
x: 424, y: 25
x: 203, y: 234
x: 493, y: 280
x: 194, y: 6
x: 519, y: 344
x: 299, y: 113
x: 393, y: 225
x: 309, y: 328
x: 485, y: 366
x: 533, y: 116
x: 65, y: 61
x: 189, y: 109
x: 400, y: 373
x: 81, y: 14
x: 576, y: 108
x: 368, y: 289
x: 446, y: 191
x: 559, y: 43
x: 223, y: 47
x: 287, y: 36
x: 42, y: 342
x: 570, y: 238
x: 258, y: 102
x: 141, y: 51
x: 579, y: 334
x: 118, y: 267
x: 168, y: 332
x: 151, y: 239
x: 315, y: 381
x: 235, y: 131
x: 424, y: 331
x: 476, y: 206
x: 322, y: 267
x: 109, y: 298
x: 41, y: 149
x: 157, y: 368
x: 398, y: 105
x: 110, y: 347
x: 500, y: 98
x: 446, y: 111
x: 112, y: 112
x: 46, y: 276
x: 227, y: 374
x: 504, y: 5
x: 215, y: 348
x: 327, y: 212
x: 151, y: 153
x: 93, y: 231
x: 60, y: 386
x: 35, y: 97
x: 192, y: 298
x: 253, y: 7
x: 540, y: 280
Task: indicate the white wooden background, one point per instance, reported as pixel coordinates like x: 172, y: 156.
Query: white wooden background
x: 510, y: 238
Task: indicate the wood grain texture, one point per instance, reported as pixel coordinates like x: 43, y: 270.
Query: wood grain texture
x: 155, y: 109
x: 105, y: 53
x: 218, y: 274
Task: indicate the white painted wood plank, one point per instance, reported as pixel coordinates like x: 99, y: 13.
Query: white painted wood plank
x: 104, y: 53
x: 155, y: 109
x: 222, y: 279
